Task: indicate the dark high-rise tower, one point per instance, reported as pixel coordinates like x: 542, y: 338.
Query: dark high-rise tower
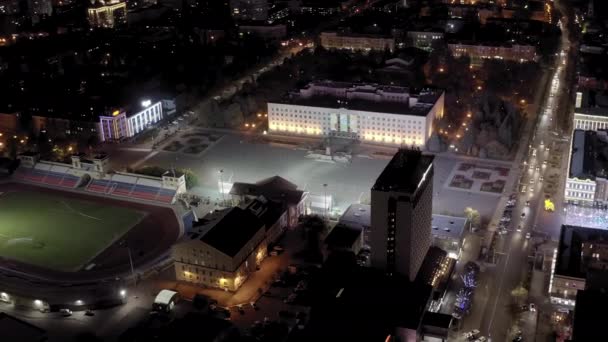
x: 402, y: 204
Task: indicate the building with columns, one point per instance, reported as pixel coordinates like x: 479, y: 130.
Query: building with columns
x: 369, y: 112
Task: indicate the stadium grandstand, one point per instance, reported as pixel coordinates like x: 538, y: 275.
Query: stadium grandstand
x: 49, y: 174
x: 133, y: 186
x: 93, y: 176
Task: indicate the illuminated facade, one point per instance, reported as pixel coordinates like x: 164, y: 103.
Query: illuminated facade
x: 249, y: 9
x: 108, y: 14
x: 222, y: 251
x: 119, y: 125
x: 372, y: 113
x: 478, y: 52
x: 364, y: 42
x: 424, y: 39
x: 586, y: 183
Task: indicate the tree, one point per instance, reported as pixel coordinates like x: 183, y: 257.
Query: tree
x: 519, y: 293
x: 314, y: 228
x: 473, y: 216
x: 191, y: 178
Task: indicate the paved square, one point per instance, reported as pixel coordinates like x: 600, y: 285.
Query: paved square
x: 478, y: 177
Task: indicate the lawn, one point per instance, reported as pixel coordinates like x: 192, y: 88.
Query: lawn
x: 57, y: 232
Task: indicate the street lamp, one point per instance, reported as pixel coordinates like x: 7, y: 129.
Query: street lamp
x: 325, y: 199
x: 222, y: 187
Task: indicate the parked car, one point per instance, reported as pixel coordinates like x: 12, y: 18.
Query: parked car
x: 471, y: 334
x: 532, y: 307
x: 65, y: 312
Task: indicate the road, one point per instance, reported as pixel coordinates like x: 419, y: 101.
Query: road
x: 513, y: 249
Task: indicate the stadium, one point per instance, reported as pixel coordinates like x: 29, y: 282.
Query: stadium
x: 66, y: 244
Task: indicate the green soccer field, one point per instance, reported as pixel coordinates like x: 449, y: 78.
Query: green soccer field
x: 57, y: 232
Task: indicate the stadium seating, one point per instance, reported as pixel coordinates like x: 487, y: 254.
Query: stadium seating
x: 145, y: 192
x: 98, y: 185
x: 114, y: 186
x: 121, y: 189
x: 166, y: 195
x: 47, y: 177
x: 69, y: 181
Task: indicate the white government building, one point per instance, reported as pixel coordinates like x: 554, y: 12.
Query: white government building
x: 369, y: 112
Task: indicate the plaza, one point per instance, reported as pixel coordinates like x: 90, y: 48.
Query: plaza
x: 242, y: 160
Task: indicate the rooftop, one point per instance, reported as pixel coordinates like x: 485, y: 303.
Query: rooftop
x: 275, y: 188
x: 365, y: 97
x: 363, y: 304
x: 405, y: 172
x: 436, y: 269
x: 448, y: 227
x: 14, y: 329
x: 357, y: 216
x: 232, y: 231
x: 342, y: 236
x: 268, y: 211
x: 588, y: 320
x: 193, y: 326
x: 589, y: 155
x: 570, y: 259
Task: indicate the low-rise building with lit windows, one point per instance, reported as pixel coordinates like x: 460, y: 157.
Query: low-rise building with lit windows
x: 355, y: 41
x: 578, y: 263
x: 107, y: 13
x: 591, y: 110
x: 587, y: 182
x: 479, y: 51
x: 369, y: 112
x: 221, y: 250
x: 424, y: 39
x: 120, y: 124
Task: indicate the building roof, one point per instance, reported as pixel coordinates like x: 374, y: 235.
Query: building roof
x: 436, y: 269
x: 425, y: 103
x: 436, y: 319
x: 589, y: 155
x: 164, y: 296
x: 357, y: 216
x: 448, y: 227
x: 230, y: 234
x: 193, y: 326
x: 275, y: 188
x: 589, y: 319
x: 268, y: 211
x: 363, y: 304
x: 569, y: 253
x: 342, y: 236
x: 14, y: 329
x: 405, y: 172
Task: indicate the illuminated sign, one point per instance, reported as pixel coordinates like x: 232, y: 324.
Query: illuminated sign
x: 146, y: 103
